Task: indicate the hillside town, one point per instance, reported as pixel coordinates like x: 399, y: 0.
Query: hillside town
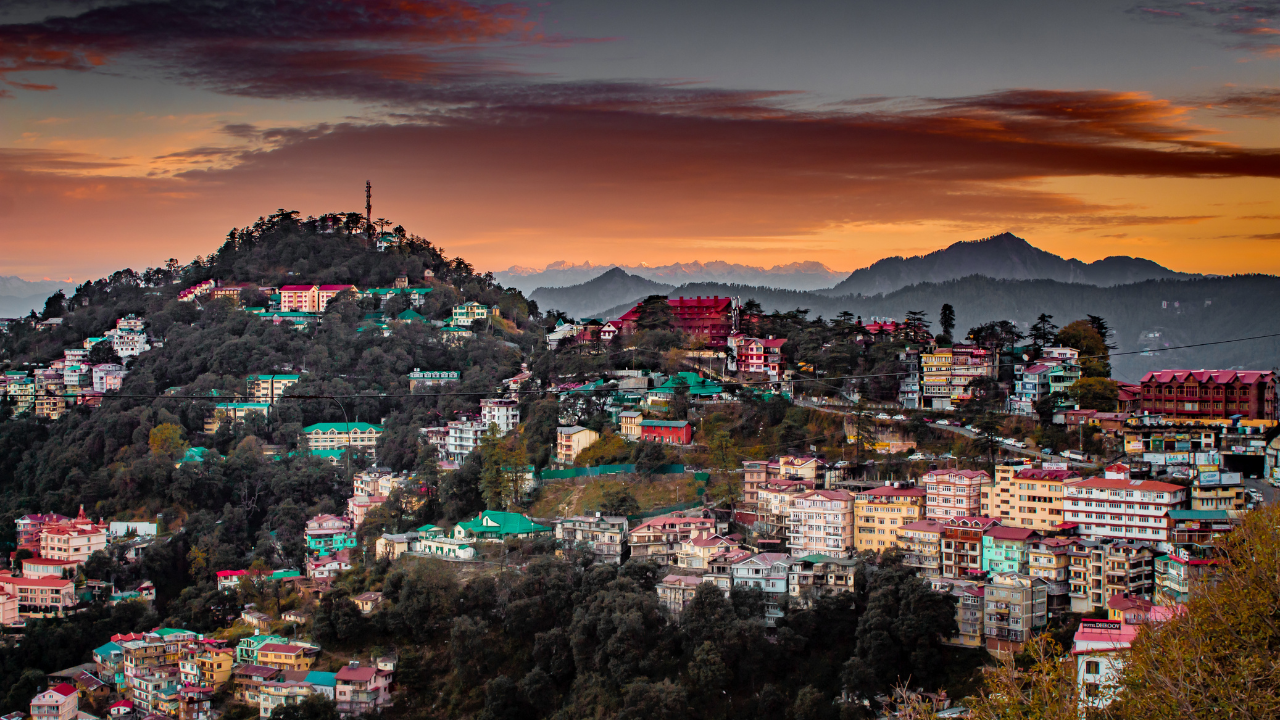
x: 726, y: 449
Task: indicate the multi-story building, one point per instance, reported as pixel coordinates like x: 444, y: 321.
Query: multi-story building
x: 696, y: 552
x: 248, y: 681
x: 234, y: 413
x: 1098, y: 649
x: 309, y: 298
x: 755, y: 473
x: 109, y: 661
x: 1007, y: 549
x: 962, y: 545
x: 469, y: 312
x: 821, y: 522
x: 285, y: 656
x: 1036, y: 381
x: 420, y: 380
x: 709, y: 319
x: 195, y: 703
x: 61, y: 702
x: 756, y: 355
x: 270, y: 388
x: 1128, y: 570
x: 1210, y: 394
x: 39, y: 596
x: 816, y: 575
x: 669, y: 432
x: 30, y: 526
x: 720, y: 568
x: 1050, y: 560
x: 326, y: 534
x: 773, y: 506
x: 572, y: 440
x: 909, y: 383
x: 503, y: 412
x: 464, y: 437
x: 378, y: 481
x: 970, y: 603
x: 1180, y: 569
x: 879, y: 512
x: 1085, y: 575
x: 675, y: 592
x: 1015, y: 606
x: 1123, y: 509
x: 954, y: 493
x: 629, y: 424
x: 130, y: 344
x: 275, y: 694
x: 1022, y: 496
x: 658, y: 539
x: 155, y: 690
x: 948, y: 372
x: 108, y: 376
x: 207, y: 667
x: 768, y: 573
x: 921, y: 541
x: 604, y: 535
x: 331, y: 436
x: 1217, y: 491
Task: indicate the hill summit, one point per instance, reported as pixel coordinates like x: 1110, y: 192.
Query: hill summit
x: 1004, y: 257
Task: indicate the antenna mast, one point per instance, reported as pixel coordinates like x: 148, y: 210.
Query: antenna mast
x: 368, y: 208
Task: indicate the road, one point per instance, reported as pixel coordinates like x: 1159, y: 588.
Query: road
x: 1004, y: 449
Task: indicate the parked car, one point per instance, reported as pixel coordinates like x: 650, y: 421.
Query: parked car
x: 899, y: 417
x: 943, y: 422
x: 882, y: 416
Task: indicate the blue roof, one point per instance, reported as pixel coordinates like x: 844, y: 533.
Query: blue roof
x: 108, y: 649
x: 326, y: 679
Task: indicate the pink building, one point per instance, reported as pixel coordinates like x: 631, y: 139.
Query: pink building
x: 44, y: 595
x: 60, y: 702
x: 361, y: 690
x: 821, y: 522
x: 954, y: 493
x: 29, y: 526
x: 358, y: 506
x: 309, y: 298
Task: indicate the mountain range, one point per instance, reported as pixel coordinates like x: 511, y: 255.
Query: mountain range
x: 19, y: 297
x: 809, y: 275
x: 1005, y: 256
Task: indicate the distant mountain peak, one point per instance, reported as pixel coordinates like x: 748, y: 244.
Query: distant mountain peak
x: 1004, y: 256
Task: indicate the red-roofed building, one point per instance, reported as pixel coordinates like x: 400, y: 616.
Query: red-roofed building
x: 879, y: 512
x: 820, y: 522
x: 1129, y: 398
x: 361, y: 690
x: 962, y: 545
x: 1210, y: 394
x: 658, y: 539
x: 697, y: 551
x: 954, y: 493
x: 757, y: 355
x: 709, y: 318
x: 1122, y: 508
x: 29, y: 526
x: 309, y: 298
x: 60, y: 702
x: 39, y: 596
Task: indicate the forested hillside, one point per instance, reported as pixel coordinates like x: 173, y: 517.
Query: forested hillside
x: 122, y: 458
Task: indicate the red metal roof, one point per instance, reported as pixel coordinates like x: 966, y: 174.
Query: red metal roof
x: 893, y: 492
x: 1218, y: 376
x: 1033, y: 474
x: 1122, y: 484
x: 360, y: 674
x: 1000, y: 532
x: 296, y: 288
x: 64, y: 689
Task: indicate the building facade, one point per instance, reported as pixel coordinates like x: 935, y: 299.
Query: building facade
x: 879, y: 512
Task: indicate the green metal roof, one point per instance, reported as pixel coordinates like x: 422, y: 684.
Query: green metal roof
x: 340, y: 427
x: 494, y: 522
x: 1199, y: 515
x: 664, y: 423
x: 696, y: 385
x: 408, y: 315
x: 199, y: 454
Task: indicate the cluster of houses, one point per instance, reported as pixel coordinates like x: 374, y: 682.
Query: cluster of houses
x: 173, y: 674
x: 939, y: 378
x: 53, y: 547
x: 72, y: 379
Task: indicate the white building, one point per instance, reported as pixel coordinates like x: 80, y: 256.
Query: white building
x: 130, y: 344
x: 503, y: 412
x: 1121, y: 508
x: 1099, y: 649
x: 108, y: 376
x: 464, y: 437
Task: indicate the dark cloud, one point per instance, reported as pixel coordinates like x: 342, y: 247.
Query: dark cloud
x: 1252, y: 25
x: 1259, y: 104
x: 275, y: 47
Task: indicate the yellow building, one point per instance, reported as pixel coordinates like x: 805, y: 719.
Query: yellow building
x: 284, y: 657
x: 878, y: 513
x: 572, y: 440
x: 1217, y: 497
x: 1026, y: 497
x: 208, y: 668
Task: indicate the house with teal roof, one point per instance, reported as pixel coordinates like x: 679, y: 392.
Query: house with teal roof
x: 323, y: 682
x: 110, y: 661
x: 198, y: 455
x: 496, y: 526
x: 329, y: 436
x: 696, y: 387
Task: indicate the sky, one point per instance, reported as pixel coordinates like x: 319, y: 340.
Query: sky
x: 763, y: 133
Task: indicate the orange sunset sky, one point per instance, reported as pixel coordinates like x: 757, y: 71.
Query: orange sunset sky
x: 752, y: 132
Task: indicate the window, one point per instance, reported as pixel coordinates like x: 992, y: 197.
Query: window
x: 1091, y: 667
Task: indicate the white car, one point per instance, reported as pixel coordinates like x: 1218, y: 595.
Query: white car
x: 1020, y: 444
x: 899, y: 417
x: 882, y: 416
x: 972, y: 428
x: 942, y: 422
